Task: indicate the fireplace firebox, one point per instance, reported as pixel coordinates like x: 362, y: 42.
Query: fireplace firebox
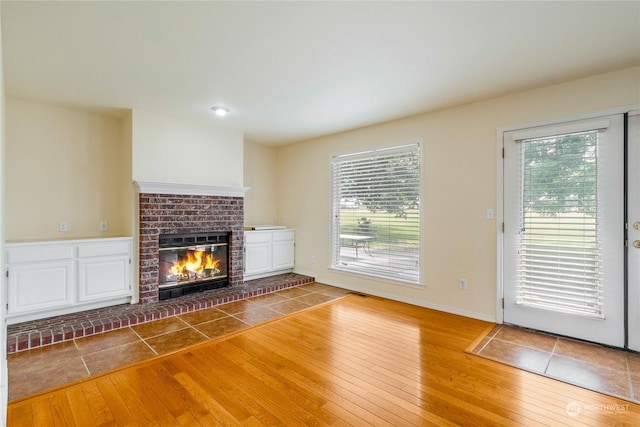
x: 192, y: 262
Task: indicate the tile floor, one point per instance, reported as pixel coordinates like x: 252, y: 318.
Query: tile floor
x: 38, y: 333
x: 38, y: 369
x: 603, y: 369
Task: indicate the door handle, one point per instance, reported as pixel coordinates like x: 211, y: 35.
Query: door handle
x: 636, y: 225
x: 636, y: 244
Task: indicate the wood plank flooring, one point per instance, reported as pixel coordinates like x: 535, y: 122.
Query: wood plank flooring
x: 39, y: 369
x: 355, y: 361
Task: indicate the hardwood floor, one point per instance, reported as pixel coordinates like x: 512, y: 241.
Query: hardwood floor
x: 355, y: 361
x: 42, y: 368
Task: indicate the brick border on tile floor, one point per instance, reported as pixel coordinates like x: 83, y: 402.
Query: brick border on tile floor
x: 53, y: 330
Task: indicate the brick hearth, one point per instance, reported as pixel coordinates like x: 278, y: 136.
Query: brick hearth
x: 52, y: 330
x: 176, y: 213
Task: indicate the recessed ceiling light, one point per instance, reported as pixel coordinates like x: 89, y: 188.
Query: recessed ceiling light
x: 220, y: 111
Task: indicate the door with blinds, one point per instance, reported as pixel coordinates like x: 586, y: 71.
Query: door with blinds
x: 563, y: 251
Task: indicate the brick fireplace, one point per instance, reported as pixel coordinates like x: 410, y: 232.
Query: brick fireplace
x: 176, y: 208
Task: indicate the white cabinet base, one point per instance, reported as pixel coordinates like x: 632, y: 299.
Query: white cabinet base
x: 52, y: 278
x: 268, y: 253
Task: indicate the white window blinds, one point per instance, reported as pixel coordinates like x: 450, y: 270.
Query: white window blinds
x: 376, y: 212
x: 559, y: 247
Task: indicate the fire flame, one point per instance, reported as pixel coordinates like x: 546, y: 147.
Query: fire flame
x: 195, y: 262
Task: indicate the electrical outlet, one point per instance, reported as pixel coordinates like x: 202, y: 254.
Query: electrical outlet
x: 463, y: 284
x: 313, y: 259
x: 63, y: 227
x: 104, y: 225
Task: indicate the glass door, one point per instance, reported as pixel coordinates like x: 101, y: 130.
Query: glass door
x: 563, y: 258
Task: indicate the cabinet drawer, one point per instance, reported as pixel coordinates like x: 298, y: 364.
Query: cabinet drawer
x: 38, y: 253
x: 279, y: 236
x: 257, y: 237
x: 103, y: 249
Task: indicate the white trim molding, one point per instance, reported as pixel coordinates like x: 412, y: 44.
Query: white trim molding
x: 151, y: 187
x: 403, y: 299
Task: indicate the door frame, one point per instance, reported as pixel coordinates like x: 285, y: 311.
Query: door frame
x: 633, y: 269
x: 500, y: 187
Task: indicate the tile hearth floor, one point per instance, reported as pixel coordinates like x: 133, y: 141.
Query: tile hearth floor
x: 42, y: 368
x: 37, y: 333
x: 599, y: 368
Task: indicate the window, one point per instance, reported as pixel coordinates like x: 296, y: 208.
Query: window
x: 559, y: 254
x: 376, y: 212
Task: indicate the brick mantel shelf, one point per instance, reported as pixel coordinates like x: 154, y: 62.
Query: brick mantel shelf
x: 165, y: 208
x: 154, y: 187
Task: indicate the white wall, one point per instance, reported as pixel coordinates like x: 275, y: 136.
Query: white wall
x: 260, y: 174
x: 168, y: 149
x: 64, y: 165
x: 127, y: 195
x: 77, y: 166
x: 459, y: 173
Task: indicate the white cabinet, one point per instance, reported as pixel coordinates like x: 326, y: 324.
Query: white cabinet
x: 268, y: 252
x: 258, y: 252
x: 27, y: 294
x: 283, y: 249
x: 51, y: 278
x: 104, y: 270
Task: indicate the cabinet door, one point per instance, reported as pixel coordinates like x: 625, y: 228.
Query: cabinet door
x: 103, y: 277
x: 257, y: 258
x: 283, y: 254
x: 39, y: 287
x: 283, y: 249
x: 104, y: 270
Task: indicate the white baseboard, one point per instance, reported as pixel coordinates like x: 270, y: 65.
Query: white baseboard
x: 393, y: 297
